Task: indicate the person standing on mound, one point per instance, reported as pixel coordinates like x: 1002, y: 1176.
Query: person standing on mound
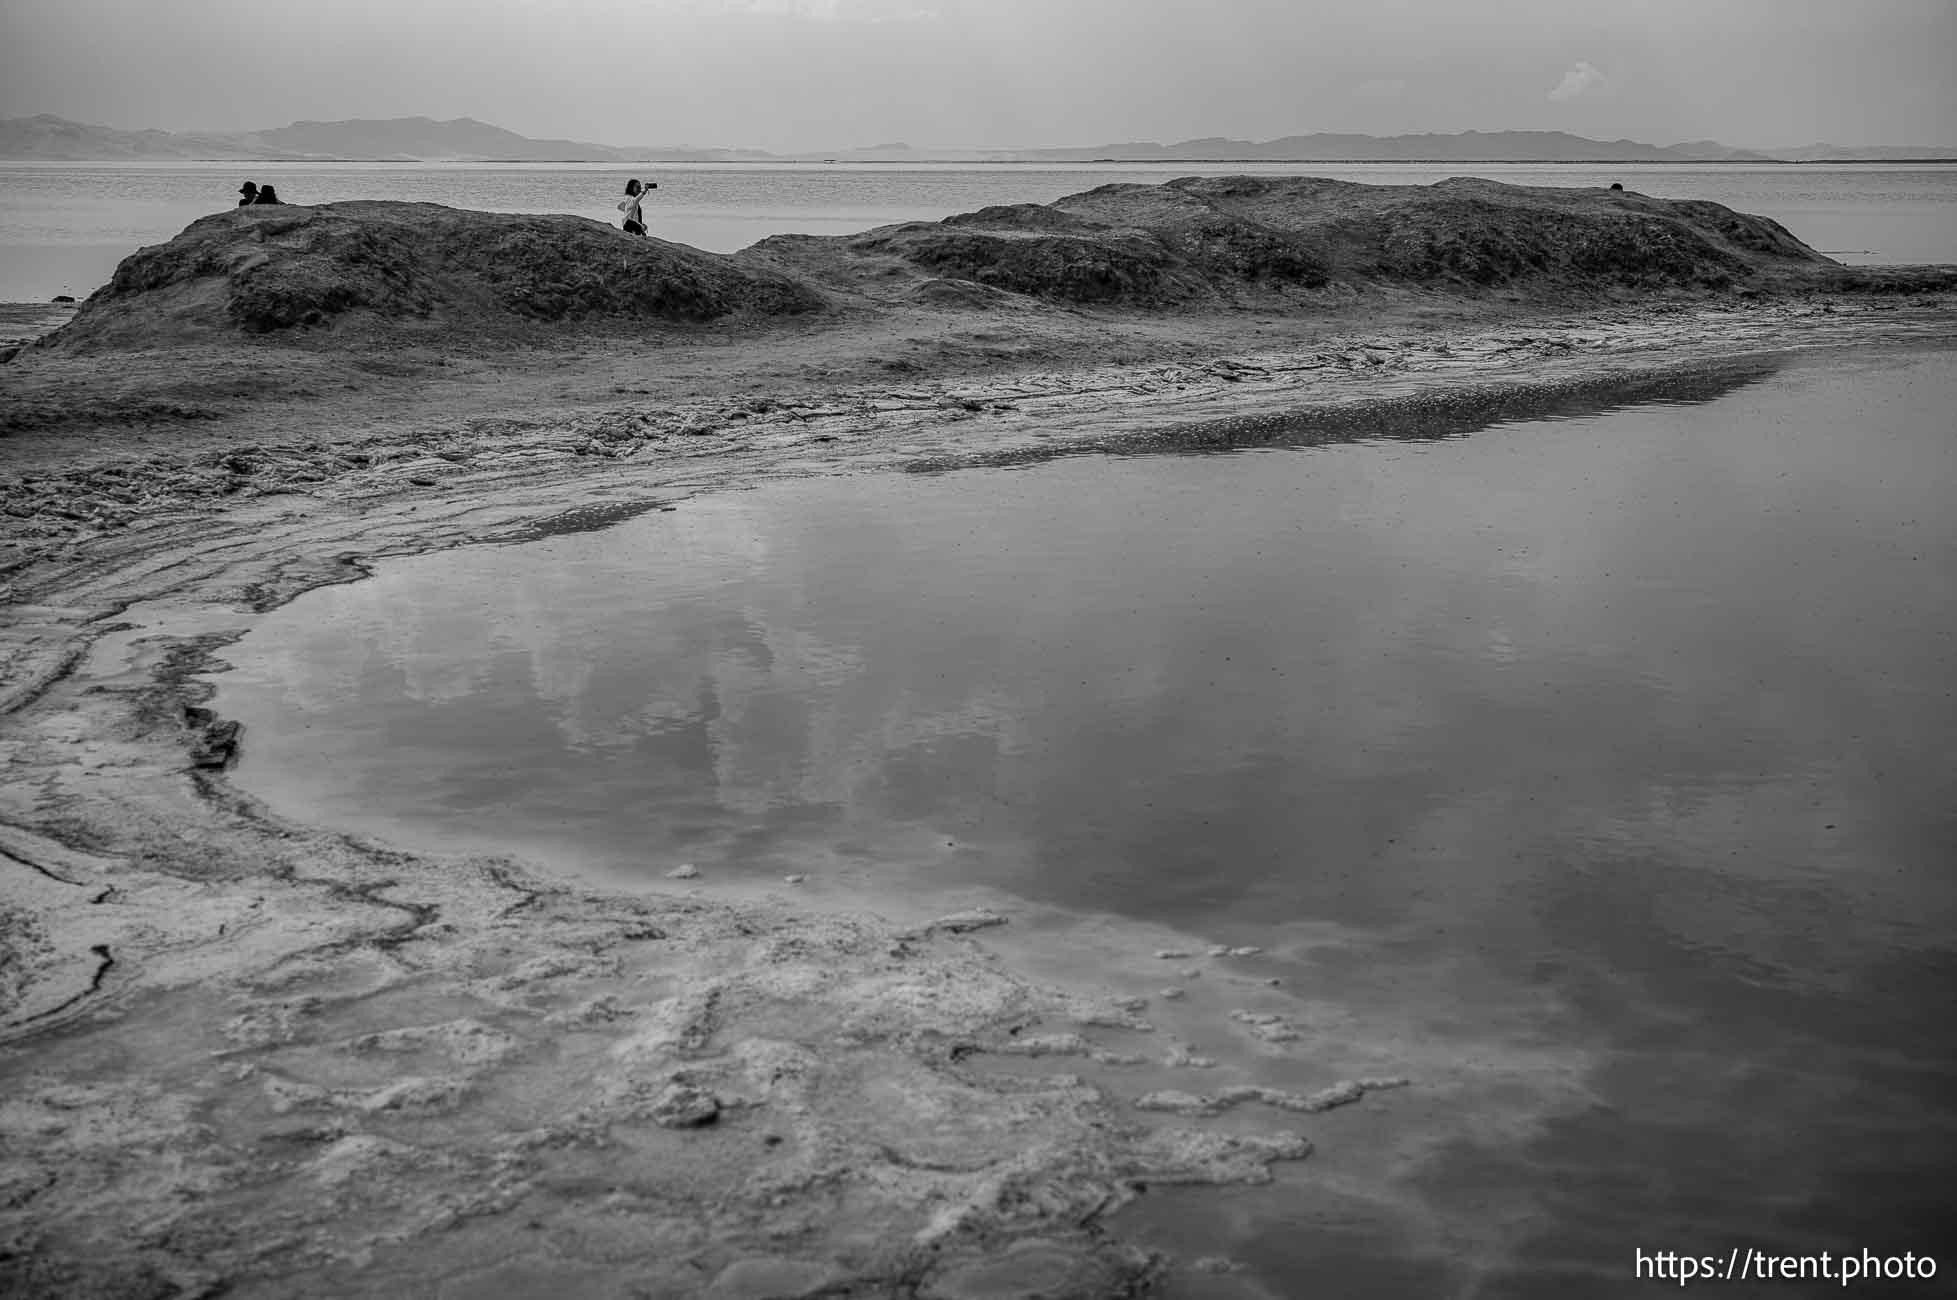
x: 635, y: 221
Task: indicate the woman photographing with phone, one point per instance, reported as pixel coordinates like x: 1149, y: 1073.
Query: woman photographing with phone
x: 635, y: 222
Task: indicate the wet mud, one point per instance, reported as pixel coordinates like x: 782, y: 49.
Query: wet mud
x: 244, y: 1056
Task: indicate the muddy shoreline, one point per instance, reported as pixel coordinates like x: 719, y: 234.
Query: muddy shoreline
x: 248, y: 1057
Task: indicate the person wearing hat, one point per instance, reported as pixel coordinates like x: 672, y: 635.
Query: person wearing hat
x: 250, y: 191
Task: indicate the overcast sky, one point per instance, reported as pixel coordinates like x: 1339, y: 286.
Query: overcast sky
x: 814, y: 74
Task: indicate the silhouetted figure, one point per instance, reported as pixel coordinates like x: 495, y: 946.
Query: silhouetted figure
x: 250, y: 191
x: 635, y: 221
x: 266, y: 194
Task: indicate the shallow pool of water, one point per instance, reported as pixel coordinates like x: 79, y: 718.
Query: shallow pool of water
x: 1611, y: 747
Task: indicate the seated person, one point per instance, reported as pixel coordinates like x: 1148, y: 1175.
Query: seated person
x: 635, y: 220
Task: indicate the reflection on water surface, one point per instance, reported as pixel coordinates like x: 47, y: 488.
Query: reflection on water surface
x: 1624, y: 732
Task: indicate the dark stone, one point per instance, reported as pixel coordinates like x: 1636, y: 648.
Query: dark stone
x: 213, y: 742
x: 683, y: 1106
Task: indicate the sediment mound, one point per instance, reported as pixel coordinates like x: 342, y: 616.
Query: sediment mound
x: 294, y: 271
x: 365, y: 274
x: 1248, y: 240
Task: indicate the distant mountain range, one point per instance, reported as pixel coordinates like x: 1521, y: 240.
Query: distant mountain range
x: 1467, y: 146
x: 422, y: 139
x: 401, y: 139
x: 1867, y: 153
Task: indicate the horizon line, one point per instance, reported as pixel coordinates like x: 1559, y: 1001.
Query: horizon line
x: 786, y: 152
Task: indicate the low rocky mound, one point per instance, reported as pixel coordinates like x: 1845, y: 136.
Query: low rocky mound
x: 1248, y: 240
x: 364, y: 274
x: 292, y: 271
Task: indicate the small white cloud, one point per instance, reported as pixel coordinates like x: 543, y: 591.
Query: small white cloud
x: 1581, y: 78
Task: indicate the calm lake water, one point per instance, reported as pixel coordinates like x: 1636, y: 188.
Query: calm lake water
x: 64, y: 226
x: 1600, y: 764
